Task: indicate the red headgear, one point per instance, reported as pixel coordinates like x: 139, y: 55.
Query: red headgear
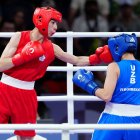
x: 42, y: 17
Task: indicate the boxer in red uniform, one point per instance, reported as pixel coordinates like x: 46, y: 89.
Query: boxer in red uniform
x: 25, y: 59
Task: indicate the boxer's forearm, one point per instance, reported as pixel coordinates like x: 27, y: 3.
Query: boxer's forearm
x: 5, y: 64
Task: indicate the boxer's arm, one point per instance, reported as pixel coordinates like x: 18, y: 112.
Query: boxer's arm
x: 9, y: 51
x: 69, y: 58
x: 75, y: 60
x: 102, y: 54
x: 106, y: 92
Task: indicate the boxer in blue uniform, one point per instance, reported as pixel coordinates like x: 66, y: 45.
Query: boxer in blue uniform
x: 121, y: 90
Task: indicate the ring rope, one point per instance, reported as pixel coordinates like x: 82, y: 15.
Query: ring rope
x: 65, y: 98
x: 75, y: 68
x: 50, y: 131
x: 77, y: 34
x: 68, y: 127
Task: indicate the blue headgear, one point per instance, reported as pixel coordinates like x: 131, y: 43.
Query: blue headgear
x: 118, y: 45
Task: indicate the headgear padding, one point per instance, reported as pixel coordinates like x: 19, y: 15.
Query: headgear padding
x: 42, y: 17
x: 118, y: 45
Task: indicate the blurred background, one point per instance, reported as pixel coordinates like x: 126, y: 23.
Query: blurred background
x: 78, y: 16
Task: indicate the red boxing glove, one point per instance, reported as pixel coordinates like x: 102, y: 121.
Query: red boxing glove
x: 106, y: 56
x: 31, y: 51
x: 99, y: 50
x: 94, y: 59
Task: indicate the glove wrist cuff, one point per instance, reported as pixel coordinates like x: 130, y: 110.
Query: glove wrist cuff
x: 93, y: 93
x: 91, y: 88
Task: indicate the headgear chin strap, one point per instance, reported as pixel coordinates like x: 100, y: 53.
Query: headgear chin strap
x: 42, y: 17
x: 118, y: 45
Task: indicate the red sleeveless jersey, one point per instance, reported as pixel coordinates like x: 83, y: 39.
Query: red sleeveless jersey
x: 36, y: 68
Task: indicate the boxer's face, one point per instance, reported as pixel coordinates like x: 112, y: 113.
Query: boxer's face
x: 52, y: 27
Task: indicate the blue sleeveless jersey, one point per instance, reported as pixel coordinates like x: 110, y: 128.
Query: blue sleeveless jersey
x: 127, y: 90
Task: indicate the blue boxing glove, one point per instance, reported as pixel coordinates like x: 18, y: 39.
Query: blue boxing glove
x: 85, y: 80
